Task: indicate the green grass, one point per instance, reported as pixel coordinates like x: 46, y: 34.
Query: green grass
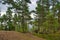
x: 49, y: 36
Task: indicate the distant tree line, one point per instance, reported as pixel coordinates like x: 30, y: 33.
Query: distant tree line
x: 47, y: 18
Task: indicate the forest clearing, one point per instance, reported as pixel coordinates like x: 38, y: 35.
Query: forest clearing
x: 30, y: 19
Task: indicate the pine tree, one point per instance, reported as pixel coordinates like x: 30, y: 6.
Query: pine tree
x: 9, y: 20
x: 25, y: 16
x: 22, y: 12
x: 58, y: 13
x: 40, y: 13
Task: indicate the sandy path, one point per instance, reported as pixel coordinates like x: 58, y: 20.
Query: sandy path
x: 12, y: 35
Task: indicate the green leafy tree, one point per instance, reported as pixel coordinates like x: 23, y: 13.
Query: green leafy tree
x: 51, y: 24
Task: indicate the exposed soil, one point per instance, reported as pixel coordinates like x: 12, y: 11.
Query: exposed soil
x: 12, y: 35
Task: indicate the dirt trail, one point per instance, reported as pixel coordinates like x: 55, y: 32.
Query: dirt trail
x: 12, y: 35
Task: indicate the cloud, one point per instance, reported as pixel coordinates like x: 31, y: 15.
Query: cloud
x: 3, y: 13
x: 59, y: 0
x: 3, y: 7
x: 33, y: 0
x: 32, y: 5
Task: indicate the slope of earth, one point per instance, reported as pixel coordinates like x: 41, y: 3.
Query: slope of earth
x: 12, y: 35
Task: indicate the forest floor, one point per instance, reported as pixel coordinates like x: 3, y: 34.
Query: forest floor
x: 12, y: 35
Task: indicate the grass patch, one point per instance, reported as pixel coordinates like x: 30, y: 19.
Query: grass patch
x: 49, y: 36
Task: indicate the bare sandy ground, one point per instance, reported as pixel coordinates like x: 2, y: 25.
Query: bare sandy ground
x: 12, y: 35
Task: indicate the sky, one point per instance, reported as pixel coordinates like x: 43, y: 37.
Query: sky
x: 31, y: 6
